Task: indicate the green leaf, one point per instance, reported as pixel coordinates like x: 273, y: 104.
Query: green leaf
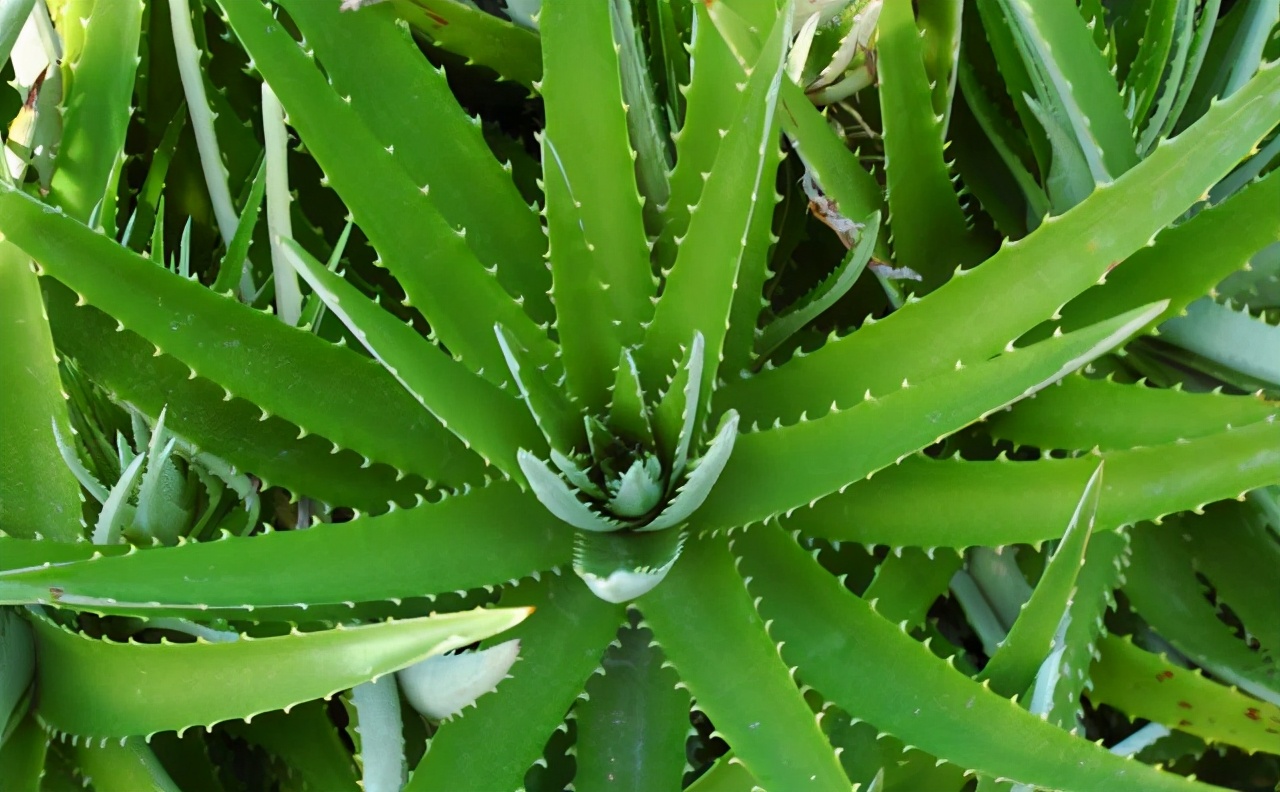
x: 628, y: 409
x: 908, y: 582
x: 634, y: 719
x: 18, y: 658
x: 151, y: 689
x: 491, y: 746
x: 646, y: 120
x: 1144, y: 685
x: 561, y: 499
x: 127, y: 764
x: 1149, y: 65
x: 38, y: 494
x: 699, y: 291
x: 406, y: 553
x: 443, y: 686
x: 22, y: 553
x: 249, y: 353
x: 22, y: 757
x: 930, y: 233
x: 774, y: 471
x: 697, y: 485
x: 429, y: 257
x: 378, y: 720
x: 1081, y: 413
x: 96, y: 113
x: 621, y: 566
x: 557, y: 418
x: 231, y: 268
x: 407, y: 105
x: 702, y: 618
x: 1012, y: 668
x: 480, y: 37
x: 856, y: 659
x: 1228, y: 336
x: 305, y: 741
x: 954, y: 503
x: 1025, y: 281
x: 13, y: 15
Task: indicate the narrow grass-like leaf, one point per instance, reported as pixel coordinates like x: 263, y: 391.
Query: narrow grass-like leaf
x: 928, y: 503
x: 1145, y: 685
x: 275, y: 364
x: 232, y: 267
x: 702, y: 618
x: 1081, y: 413
x: 1012, y: 668
x: 930, y: 233
x: 853, y: 656
x: 858, y: 441
x: 633, y: 723
x: 38, y: 494
x: 407, y: 553
x: 151, y: 689
x: 493, y: 745
x: 429, y: 257
x: 1025, y: 281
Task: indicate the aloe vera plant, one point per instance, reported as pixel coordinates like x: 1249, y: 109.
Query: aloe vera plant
x: 642, y: 394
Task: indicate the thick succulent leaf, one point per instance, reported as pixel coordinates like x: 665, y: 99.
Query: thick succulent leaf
x: 824, y: 295
x: 1181, y: 27
x: 639, y: 489
x: 23, y: 553
x: 854, y: 657
x: 728, y: 774
x: 908, y: 582
x: 1228, y: 336
x: 1025, y: 281
x: 407, y: 105
x: 1149, y: 65
x: 406, y: 553
x: 443, y: 686
x: 619, y: 567
x: 378, y: 720
x: 275, y: 365
x: 698, y: 483
x: 1163, y: 589
x: 482, y: 38
x: 13, y: 14
x: 1145, y: 685
x: 429, y: 257
x: 699, y: 291
x: 484, y: 417
x: 552, y: 411
x: 940, y: 25
x: 18, y: 659
x: 634, y: 719
x: 493, y: 745
x: 1012, y: 668
x: 628, y: 408
x: 561, y: 499
x: 1230, y: 546
x: 647, y: 122
x: 774, y: 471
x: 96, y: 111
x: 930, y: 233
x: 599, y: 256
x: 38, y: 494
x: 305, y: 741
x: 954, y: 503
x: 1208, y: 22
x: 702, y: 618
x: 1081, y: 413
x: 675, y: 418
x: 22, y: 757
x: 151, y: 686
x: 127, y: 764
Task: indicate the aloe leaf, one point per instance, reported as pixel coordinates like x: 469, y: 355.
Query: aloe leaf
x: 96, y: 113
x: 1186, y: 261
x: 381, y: 730
x: 24, y: 553
x: 702, y: 618
x: 407, y: 105
x: 1149, y: 65
x: 406, y: 553
x: 676, y: 415
x: 13, y: 15
x: 1025, y: 281
x: 646, y: 121
x: 1230, y: 547
x: 699, y: 291
x: 998, y: 29
x: 1163, y: 589
x: 634, y: 719
x: 17, y: 651
x: 480, y: 37
x: 1081, y: 413
x: 559, y: 497
x: 628, y: 409
x: 305, y: 741
x: 1208, y: 22
x: 38, y: 494
x: 557, y: 418
x: 1231, y: 337
x: 697, y: 486
x: 940, y: 25
x: 824, y: 295
x: 908, y: 582
x: 1013, y: 666
x: 148, y: 207
x: 151, y: 691
x: 852, y: 655
x: 619, y: 567
x: 429, y: 257
x: 127, y: 764
x: 930, y: 233
x: 117, y: 513
x: 954, y: 503
x: 276, y: 364
x: 599, y: 255
x: 485, y: 418
x: 1182, y: 32
x: 1069, y: 181
x: 232, y: 266
x: 1145, y: 685
x: 491, y: 746
x: 22, y: 756
x: 443, y: 686
x: 877, y: 432
x: 728, y: 774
